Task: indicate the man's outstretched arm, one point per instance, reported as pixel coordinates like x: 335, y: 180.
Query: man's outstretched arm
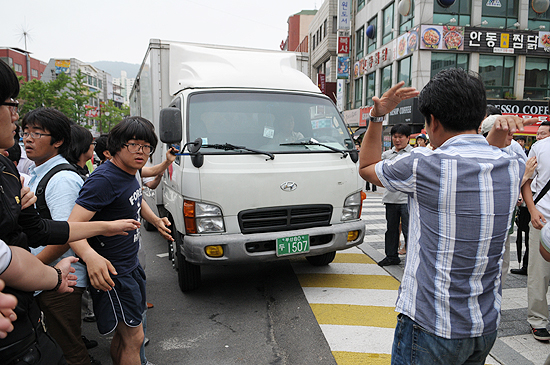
x: 371, y: 149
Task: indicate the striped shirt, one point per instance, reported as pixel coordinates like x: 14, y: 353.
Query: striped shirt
x: 461, y: 200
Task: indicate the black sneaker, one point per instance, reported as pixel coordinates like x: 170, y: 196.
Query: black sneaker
x: 541, y: 334
x: 94, y: 361
x: 522, y: 271
x: 90, y: 344
x: 389, y: 261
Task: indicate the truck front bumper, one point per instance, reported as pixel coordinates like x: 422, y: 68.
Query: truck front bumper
x: 259, y: 247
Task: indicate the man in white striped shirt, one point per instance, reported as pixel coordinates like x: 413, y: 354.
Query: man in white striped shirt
x: 461, y: 199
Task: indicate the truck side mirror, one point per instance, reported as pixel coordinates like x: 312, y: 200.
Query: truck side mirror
x: 170, y: 130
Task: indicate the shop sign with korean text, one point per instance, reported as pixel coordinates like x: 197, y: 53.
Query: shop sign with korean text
x: 343, y: 45
x: 344, y: 14
x: 484, y: 40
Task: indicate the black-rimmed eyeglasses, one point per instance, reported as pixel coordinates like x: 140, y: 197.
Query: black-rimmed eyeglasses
x: 13, y: 105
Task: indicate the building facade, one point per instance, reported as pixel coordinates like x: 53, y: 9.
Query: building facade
x: 298, y: 29
x: 23, y: 64
x: 125, y: 85
x: 505, y: 41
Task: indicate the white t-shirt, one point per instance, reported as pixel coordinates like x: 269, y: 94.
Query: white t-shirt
x: 541, y: 150
x: 5, y: 256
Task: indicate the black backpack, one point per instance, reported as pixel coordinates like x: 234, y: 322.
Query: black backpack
x: 41, y: 205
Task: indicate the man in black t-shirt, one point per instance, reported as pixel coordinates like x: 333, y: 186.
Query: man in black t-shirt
x: 110, y: 193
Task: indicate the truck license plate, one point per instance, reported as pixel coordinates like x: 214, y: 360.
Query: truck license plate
x: 292, y: 245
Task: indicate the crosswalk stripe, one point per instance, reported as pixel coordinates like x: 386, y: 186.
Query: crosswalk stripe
x: 353, y: 358
x: 371, y: 297
x: 348, y: 281
x: 354, y: 315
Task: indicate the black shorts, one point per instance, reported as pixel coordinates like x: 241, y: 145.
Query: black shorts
x: 124, y: 303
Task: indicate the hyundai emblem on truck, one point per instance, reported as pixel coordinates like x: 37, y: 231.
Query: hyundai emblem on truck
x: 289, y: 186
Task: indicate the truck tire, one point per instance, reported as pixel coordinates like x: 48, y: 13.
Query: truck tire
x: 189, y: 275
x: 321, y: 260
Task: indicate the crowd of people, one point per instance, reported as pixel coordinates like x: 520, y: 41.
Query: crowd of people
x: 65, y: 230
x: 471, y: 174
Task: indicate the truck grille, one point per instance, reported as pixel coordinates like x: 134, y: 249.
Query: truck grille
x: 284, y: 218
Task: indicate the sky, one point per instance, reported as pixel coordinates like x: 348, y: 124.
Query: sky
x: 119, y: 30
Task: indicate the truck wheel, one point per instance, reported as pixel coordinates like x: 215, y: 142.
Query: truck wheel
x: 148, y: 226
x: 321, y: 260
x: 189, y: 275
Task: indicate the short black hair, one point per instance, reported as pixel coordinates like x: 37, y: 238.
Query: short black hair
x: 52, y: 120
x: 521, y: 138
x: 492, y: 110
x: 9, y: 85
x: 131, y: 128
x: 14, y: 152
x: 101, y: 146
x: 456, y: 98
x: 546, y: 122
x: 81, y: 139
x: 403, y: 129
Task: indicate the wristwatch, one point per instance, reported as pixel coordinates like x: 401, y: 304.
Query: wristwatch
x: 376, y: 119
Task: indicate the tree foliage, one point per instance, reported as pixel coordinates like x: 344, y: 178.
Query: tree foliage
x: 70, y: 96
x: 111, y: 115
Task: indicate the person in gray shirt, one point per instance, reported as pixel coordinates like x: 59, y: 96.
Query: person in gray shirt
x: 397, y: 210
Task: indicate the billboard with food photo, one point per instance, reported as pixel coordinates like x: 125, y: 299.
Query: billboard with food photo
x: 442, y: 37
x: 407, y: 43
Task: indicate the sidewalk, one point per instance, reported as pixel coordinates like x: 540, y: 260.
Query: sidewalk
x: 515, y: 345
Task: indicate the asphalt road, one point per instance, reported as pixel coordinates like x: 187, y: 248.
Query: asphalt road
x: 253, y: 314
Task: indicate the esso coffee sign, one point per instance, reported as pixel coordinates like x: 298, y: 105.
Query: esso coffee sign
x: 523, y: 108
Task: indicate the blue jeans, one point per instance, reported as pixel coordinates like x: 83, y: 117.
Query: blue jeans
x: 413, y: 345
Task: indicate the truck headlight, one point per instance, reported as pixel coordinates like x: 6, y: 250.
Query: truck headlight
x: 353, y: 206
x: 202, y: 217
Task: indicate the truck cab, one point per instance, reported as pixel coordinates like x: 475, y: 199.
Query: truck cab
x: 267, y: 168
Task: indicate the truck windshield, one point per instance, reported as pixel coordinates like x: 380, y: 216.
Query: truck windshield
x: 266, y: 121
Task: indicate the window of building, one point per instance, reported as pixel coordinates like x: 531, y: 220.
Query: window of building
x: 387, y: 26
x: 313, y: 42
x: 18, y: 67
x: 404, y: 71
x: 386, y: 83
x: 537, y: 78
x: 328, y: 70
x: 90, y: 81
x: 371, y: 84
x: 539, y: 21
x: 95, y: 81
x: 99, y: 84
x: 358, y: 93
x: 460, y: 11
x: 7, y: 60
x: 444, y: 60
x: 371, y: 43
x: 360, y: 4
x: 334, y: 24
x: 34, y: 72
x: 406, y: 22
x: 359, y: 43
x: 325, y: 28
x: 498, y: 73
x: 505, y: 15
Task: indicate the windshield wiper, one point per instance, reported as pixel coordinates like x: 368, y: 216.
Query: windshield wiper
x: 230, y: 147
x: 313, y: 142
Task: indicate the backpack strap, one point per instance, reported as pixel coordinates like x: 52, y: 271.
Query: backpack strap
x: 543, y: 192
x: 40, y: 193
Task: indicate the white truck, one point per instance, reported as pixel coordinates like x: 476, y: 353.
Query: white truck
x: 267, y: 168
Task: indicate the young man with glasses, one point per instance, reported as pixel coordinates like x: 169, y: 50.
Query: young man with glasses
x: 46, y: 134
x: 112, y: 192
